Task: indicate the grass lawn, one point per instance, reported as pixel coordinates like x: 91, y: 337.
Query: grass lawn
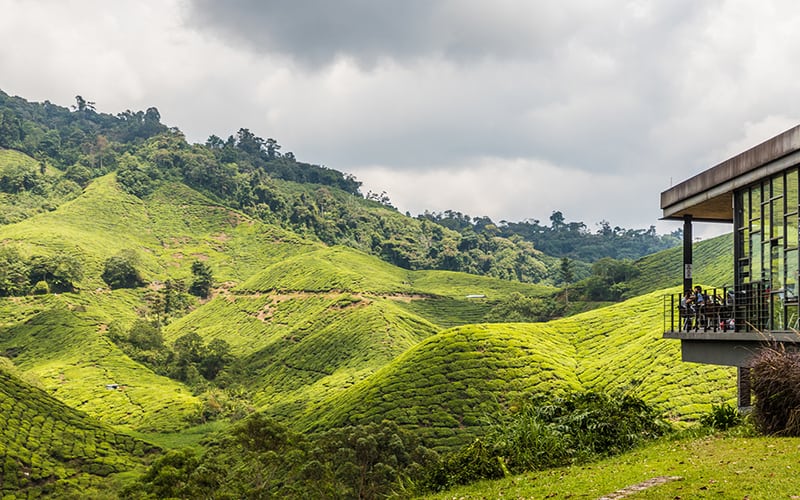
x: 716, y: 466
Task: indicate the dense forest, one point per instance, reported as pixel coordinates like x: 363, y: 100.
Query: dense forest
x: 254, y: 175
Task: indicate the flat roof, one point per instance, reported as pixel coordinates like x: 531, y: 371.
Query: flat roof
x: 708, y: 196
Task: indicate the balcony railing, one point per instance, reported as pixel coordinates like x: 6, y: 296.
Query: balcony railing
x: 748, y: 308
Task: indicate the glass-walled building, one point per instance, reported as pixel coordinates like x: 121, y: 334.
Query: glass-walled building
x: 766, y: 247
x: 756, y: 193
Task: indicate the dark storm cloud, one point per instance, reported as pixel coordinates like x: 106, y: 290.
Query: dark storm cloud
x: 530, y: 78
x: 316, y: 32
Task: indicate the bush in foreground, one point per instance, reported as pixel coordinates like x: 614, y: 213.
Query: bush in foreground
x: 550, y: 432
x: 776, y: 387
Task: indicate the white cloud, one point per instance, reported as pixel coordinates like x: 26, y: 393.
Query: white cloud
x: 591, y: 108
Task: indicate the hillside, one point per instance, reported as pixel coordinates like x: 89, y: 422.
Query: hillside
x: 448, y: 383
x: 712, y: 266
x: 325, y: 309
x: 49, y: 448
x: 304, y: 322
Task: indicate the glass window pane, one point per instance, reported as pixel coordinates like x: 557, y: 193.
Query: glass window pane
x: 755, y: 202
x: 791, y: 231
x: 791, y: 191
x: 746, y: 207
x: 777, y: 217
x: 755, y: 262
x: 791, y: 273
x: 776, y: 267
x: 745, y: 242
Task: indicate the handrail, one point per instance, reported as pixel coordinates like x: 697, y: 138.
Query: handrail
x: 747, y: 308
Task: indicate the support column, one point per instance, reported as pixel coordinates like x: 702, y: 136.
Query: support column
x: 687, y: 252
x: 743, y: 386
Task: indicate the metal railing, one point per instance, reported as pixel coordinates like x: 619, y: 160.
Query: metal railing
x: 748, y: 308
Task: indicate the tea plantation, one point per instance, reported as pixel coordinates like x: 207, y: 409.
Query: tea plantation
x: 316, y: 337
x: 49, y: 448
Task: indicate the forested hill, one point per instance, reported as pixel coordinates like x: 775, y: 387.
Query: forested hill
x: 253, y: 175
x: 562, y: 238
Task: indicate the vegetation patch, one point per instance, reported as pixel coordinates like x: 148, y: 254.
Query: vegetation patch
x: 52, y: 449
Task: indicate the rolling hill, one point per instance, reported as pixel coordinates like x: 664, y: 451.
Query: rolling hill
x: 320, y: 336
x: 48, y: 448
x: 447, y: 384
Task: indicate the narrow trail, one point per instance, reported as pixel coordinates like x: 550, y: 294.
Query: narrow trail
x: 635, y: 488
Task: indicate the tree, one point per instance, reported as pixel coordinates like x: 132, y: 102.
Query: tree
x: 557, y: 220
x: 119, y: 271
x: 82, y: 104
x: 218, y: 355
x: 203, y: 279
x: 144, y: 335
x: 567, y: 275
x: 60, y: 271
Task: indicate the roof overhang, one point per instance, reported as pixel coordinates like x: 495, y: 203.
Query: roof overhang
x: 708, y: 196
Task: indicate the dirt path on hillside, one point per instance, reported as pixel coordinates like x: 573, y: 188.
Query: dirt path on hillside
x: 635, y: 488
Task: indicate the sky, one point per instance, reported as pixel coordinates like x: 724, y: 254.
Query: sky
x: 510, y: 109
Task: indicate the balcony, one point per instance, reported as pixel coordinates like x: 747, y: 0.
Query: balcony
x: 732, y: 323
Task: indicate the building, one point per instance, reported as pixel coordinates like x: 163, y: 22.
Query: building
x: 757, y: 193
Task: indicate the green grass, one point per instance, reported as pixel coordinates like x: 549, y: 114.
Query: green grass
x: 327, y: 336
x: 620, y: 346
x: 709, y: 467
x: 332, y: 268
x: 447, y: 384
x: 189, y: 437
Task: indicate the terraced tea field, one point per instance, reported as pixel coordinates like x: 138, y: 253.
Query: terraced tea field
x: 50, y: 448
x: 445, y: 385
x: 67, y: 352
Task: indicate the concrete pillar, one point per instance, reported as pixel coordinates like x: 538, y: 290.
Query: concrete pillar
x: 687, y: 252
x: 743, y: 386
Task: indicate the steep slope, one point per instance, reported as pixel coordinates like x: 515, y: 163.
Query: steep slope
x: 49, y: 448
x: 61, y: 339
x: 445, y: 384
x: 28, y: 187
x: 168, y: 230
x: 620, y: 347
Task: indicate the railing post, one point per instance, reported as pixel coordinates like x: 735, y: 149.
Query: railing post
x: 672, y: 312
x: 687, y: 252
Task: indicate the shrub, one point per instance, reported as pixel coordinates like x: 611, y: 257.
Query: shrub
x: 721, y: 417
x: 549, y: 432
x: 776, y: 386
x: 40, y: 288
x: 120, y: 271
x: 60, y: 271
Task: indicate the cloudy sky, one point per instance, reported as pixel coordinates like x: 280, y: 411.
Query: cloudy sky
x: 508, y: 108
